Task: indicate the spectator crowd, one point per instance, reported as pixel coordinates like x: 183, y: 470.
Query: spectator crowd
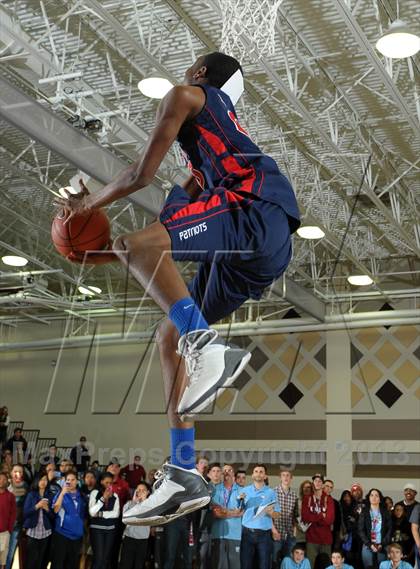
x: 66, y: 514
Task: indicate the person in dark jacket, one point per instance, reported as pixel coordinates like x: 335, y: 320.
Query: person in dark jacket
x: 18, y: 446
x: 356, y: 491
x: 104, y: 511
x: 4, y: 424
x: 38, y: 522
x: 401, y: 533
x: 348, y: 524
x: 89, y: 483
x: 50, y: 457
x: 79, y: 455
x: 70, y: 507
x: 374, y: 528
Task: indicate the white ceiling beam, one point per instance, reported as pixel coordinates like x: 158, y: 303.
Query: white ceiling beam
x: 55, y: 133
x: 40, y: 63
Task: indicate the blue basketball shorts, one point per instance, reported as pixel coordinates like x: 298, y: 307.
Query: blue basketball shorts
x: 242, y: 245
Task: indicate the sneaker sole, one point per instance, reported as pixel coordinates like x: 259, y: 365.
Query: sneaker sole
x: 184, y: 509
x: 218, y: 388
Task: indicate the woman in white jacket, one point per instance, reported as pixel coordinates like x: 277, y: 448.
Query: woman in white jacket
x: 134, y: 546
x: 104, y: 511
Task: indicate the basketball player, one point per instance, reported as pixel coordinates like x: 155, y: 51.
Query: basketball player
x: 234, y: 216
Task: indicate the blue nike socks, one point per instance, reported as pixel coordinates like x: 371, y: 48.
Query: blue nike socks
x: 186, y: 316
x: 182, y: 448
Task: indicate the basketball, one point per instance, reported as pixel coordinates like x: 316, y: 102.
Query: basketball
x: 90, y: 231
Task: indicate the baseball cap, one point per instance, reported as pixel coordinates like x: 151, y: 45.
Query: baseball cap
x: 317, y: 475
x: 410, y: 486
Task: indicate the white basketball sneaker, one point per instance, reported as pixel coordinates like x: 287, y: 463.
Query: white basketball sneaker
x: 176, y: 492
x: 211, y: 366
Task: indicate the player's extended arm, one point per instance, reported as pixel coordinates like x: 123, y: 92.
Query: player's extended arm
x: 180, y: 104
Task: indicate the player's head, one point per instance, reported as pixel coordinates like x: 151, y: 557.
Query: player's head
x: 212, y: 69
x: 395, y: 552
x: 337, y: 558
x: 298, y: 552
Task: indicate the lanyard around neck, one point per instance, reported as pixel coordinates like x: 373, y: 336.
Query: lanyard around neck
x: 227, y: 495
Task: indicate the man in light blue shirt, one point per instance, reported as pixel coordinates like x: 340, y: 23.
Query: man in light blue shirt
x: 337, y: 560
x: 297, y: 559
x: 227, y: 524
x: 256, y: 529
x: 394, y: 561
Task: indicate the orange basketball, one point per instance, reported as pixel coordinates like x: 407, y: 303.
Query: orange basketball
x: 90, y: 231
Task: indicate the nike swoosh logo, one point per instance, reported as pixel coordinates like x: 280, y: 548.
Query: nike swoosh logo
x: 189, y: 306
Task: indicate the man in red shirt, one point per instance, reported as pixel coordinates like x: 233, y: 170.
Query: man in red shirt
x: 119, y: 485
x: 134, y: 473
x: 318, y: 510
x: 7, y: 518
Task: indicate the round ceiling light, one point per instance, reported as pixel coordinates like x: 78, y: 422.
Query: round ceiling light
x: 399, y: 41
x: 90, y: 290
x: 155, y: 87
x: 360, y: 280
x: 310, y: 232
x: 14, y: 260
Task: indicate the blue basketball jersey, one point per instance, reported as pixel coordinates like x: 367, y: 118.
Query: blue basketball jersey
x: 220, y: 154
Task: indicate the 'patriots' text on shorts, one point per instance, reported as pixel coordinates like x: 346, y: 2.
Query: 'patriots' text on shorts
x: 187, y: 233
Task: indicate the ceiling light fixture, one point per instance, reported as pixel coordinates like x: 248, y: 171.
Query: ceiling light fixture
x: 310, y: 232
x: 155, y: 87
x: 360, y: 280
x: 90, y: 290
x: 14, y: 260
x: 398, y: 41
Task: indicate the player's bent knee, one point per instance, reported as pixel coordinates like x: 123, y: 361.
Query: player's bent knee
x: 167, y: 334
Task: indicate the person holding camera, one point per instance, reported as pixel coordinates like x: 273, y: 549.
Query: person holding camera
x: 104, y: 511
x: 135, y: 540
x: 70, y: 507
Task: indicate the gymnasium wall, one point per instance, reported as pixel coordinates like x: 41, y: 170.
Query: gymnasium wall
x: 300, y: 394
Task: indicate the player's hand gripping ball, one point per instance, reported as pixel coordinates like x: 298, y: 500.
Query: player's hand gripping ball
x: 81, y: 234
